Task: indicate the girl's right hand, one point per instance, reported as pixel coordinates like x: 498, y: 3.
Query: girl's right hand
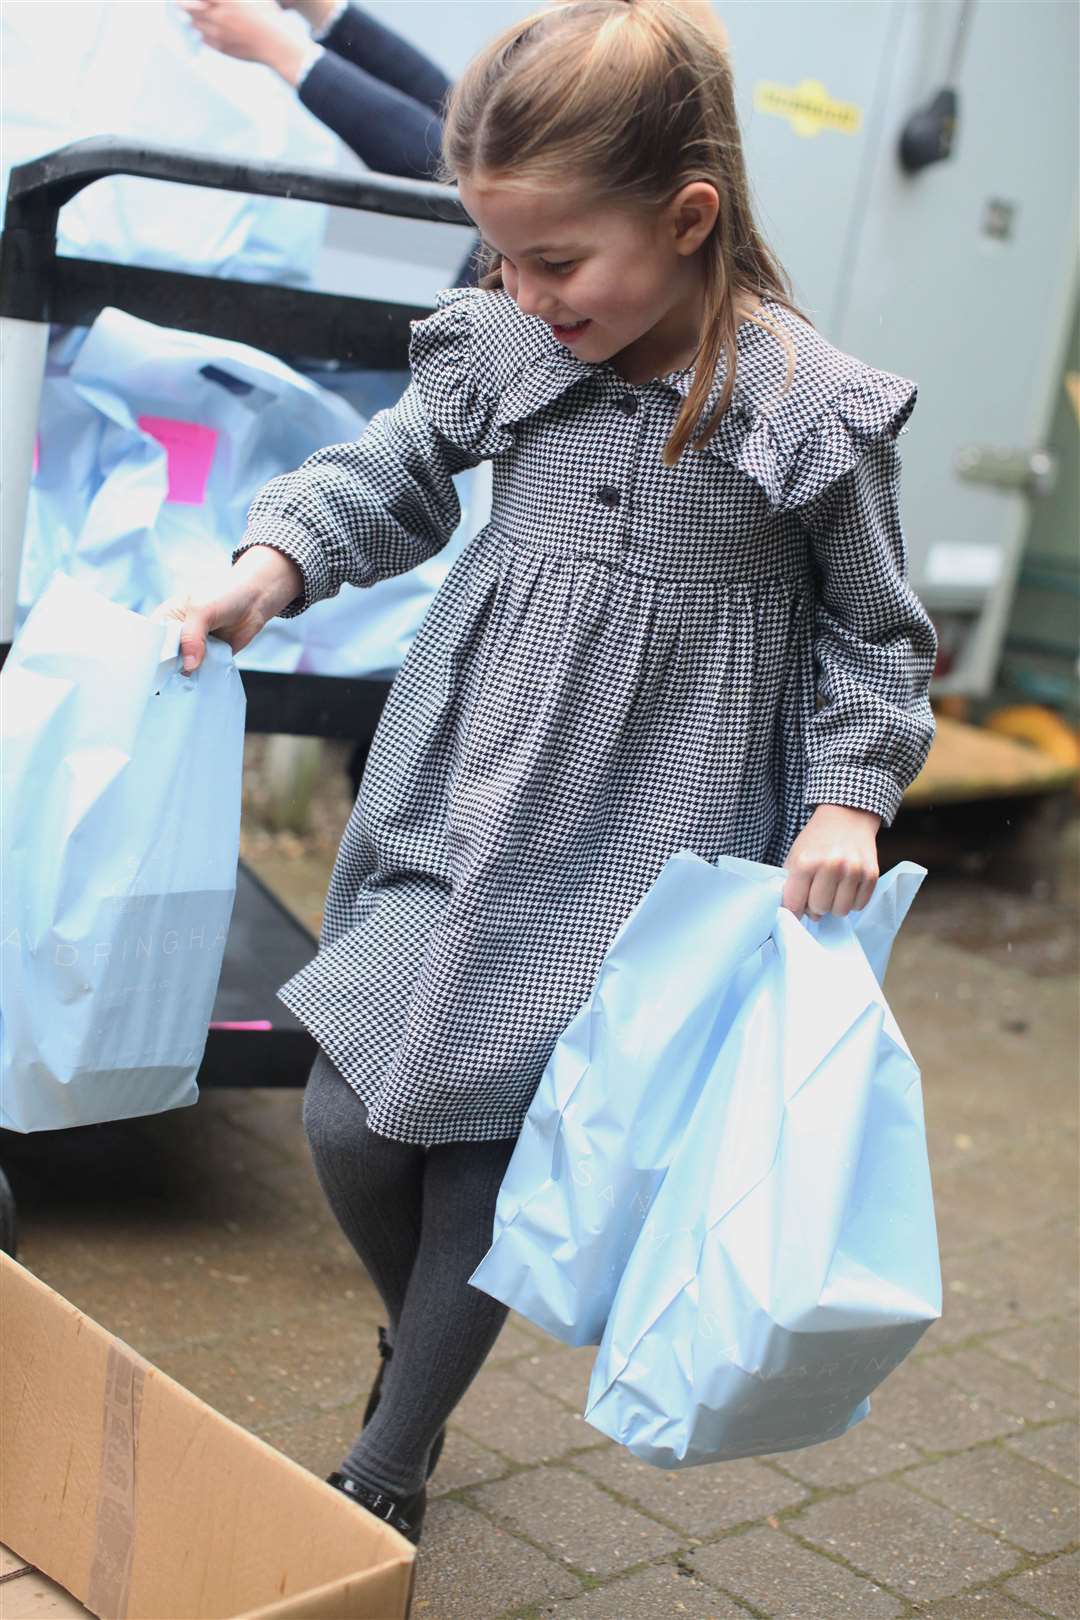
x: 261, y: 582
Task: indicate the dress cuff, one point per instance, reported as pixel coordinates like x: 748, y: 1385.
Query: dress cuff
x: 310, y: 57
x: 860, y: 787
x: 296, y: 543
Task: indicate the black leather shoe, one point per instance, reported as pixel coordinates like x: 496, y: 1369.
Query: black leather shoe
x: 404, y: 1513
x: 386, y: 1351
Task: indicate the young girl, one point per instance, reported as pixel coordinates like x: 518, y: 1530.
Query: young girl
x: 694, y: 533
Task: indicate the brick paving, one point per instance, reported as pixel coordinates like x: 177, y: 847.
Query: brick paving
x: 202, y: 1238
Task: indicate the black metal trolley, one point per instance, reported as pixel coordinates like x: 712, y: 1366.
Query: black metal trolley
x: 40, y: 288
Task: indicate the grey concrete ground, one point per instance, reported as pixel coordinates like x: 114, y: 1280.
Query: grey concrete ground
x: 201, y: 1238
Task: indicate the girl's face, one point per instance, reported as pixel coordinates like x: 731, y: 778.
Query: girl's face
x: 612, y: 283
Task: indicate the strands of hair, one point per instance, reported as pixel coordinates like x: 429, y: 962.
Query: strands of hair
x: 635, y: 99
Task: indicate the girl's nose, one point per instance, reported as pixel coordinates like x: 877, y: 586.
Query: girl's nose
x: 530, y: 296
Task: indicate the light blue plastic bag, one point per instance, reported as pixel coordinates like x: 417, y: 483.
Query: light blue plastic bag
x: 789, y: 1261
x: 619, y: 1092
x: 152, y: 444
x: 119, y: 840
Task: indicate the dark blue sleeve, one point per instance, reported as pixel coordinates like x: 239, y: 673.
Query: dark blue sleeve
x: 376, y: 49
x: 387, y: 129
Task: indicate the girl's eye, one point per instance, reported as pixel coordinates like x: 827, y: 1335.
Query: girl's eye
x: 560, y: 269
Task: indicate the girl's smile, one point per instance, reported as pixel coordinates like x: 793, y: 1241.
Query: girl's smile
x: 568, y: 334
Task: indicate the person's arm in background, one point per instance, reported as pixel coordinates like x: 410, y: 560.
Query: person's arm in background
x: 356, y: 37
x: 389, y: 130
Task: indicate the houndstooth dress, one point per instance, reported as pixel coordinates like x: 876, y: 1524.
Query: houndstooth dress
x: 624, y: 662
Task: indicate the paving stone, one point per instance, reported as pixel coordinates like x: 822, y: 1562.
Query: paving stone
x: 504, y: 1413
x: 1007, y: 1495
x: 1044, y: 1276
x: 563, y: 1373
x: 519, y: 1337
x: 464, y: 1463
x: 317, y: 1440
x: 780, y: 1577
x: 189, y: 1303
x: 1009, y: 1388
x: 867, y: 1451
x: 278, y: 1372
x: 469, y: 1569
x: 990, y: 1604
x: 976, y: 1298
x: 993, y: 1198
x: 917, y: 1403
x: 662, y: 1590
x: 1052, y: 1588
x: 1056, y: 1447
x: 575, y: 1520
x: 908, y: 1544
x: 1048, y: 1349
x: 701, y: 1501
x: 967, y: 1130
x: 1002, y: 1284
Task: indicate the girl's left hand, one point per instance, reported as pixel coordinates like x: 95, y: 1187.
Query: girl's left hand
x: 832, y: 865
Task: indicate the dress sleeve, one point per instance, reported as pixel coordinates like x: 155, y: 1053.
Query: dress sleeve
x: 359, y: 512
x: 874, y: 643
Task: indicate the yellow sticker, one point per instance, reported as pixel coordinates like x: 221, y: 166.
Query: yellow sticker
x: 808, y: 107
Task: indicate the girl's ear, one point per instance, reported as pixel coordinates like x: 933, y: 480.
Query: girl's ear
x: 693, y: 213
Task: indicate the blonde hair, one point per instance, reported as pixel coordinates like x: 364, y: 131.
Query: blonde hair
x: 635, y: 99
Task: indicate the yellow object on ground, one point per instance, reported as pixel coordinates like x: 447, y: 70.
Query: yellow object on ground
x: 1040, y: 728
x: 974, y: 762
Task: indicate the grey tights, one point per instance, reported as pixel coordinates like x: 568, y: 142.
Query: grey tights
x: 420, y: 1220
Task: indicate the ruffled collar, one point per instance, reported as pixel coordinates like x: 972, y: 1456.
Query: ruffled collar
x: 550, y: 370
x: 681, y: 380
x: 792, y: 444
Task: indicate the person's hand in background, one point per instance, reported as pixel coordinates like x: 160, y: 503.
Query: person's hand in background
x: 251, y: 31
x: 316, y: 13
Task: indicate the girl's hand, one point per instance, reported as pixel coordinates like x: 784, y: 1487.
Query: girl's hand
x: 261, y: 583
x: 832, y: 865
x: 250, y: 30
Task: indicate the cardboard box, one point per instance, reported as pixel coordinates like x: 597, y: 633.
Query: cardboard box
x: 144, y: 1503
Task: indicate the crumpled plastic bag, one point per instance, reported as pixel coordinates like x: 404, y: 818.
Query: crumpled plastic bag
x: 761, y: 1240
x: 790, y: 1260
x: 619, y: 1092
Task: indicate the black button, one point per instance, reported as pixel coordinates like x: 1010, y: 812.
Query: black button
x: 628, y: 404
x: 608, y: 496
